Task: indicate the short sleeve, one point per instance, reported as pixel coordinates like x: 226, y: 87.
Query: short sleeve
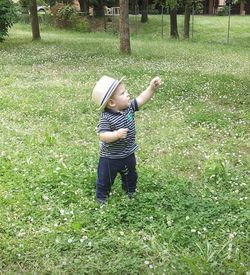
x: 104, y: 125
x: 134, y: 105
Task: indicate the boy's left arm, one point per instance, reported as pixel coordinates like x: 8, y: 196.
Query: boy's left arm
x: 149, y: 92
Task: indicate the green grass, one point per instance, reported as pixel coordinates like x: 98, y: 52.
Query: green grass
x: 191, y: 213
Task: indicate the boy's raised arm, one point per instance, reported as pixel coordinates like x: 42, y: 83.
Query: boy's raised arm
x: 149, y: 92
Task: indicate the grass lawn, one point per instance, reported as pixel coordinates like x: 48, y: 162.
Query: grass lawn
x: 191, y: 213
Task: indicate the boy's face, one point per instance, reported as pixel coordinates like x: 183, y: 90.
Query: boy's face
x: 120, y: 98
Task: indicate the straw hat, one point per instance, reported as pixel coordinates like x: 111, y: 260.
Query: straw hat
x: 104, y: 89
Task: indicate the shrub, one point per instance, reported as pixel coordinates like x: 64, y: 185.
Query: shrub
x: 198, y: 7
x: 23, y: 6
x: 223, y: 11
x: 68, y: 15
x: 7, y: 17
x: 65, y: 16
x: 82, y: 25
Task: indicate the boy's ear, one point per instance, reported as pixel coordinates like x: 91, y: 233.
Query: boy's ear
x: 111, y: 103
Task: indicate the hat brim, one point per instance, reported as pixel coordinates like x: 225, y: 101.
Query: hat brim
x: 110, y: 94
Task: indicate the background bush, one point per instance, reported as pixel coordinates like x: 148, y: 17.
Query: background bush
x: 223, y: 11
x: 7, y: 17
x: 66, y: 16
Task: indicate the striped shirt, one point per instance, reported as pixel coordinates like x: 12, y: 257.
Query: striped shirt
x: 112, y: 121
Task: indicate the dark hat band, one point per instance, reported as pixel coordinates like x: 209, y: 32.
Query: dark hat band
x: 109, y: 91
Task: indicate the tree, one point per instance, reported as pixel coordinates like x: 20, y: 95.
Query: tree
x: 173, y: 23
x: 84, y: 6
x: 242, y: 7
x: 7, y: 17
x: 188, y: 8
x: 133, y: 6
x: 98, y: 8
x: 173, y: 4
x: 124, y: 27
x: 34, y: 20
x: 144, y: 12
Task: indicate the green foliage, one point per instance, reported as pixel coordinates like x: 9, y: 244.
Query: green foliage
x: 216, y: 170
x: 65, y: 16
x: 223, y: 11
x: 51, y: 3
x: 41, y: 3
x: 7, y: 17
x: 23, y: 18
x: 24, y: 3
x: 82, y: 25
x: 67, y: 13
x: 198, y: 6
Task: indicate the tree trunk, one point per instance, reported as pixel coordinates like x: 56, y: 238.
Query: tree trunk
x: 124, y: 28
x: 132, y: 6
x: 210, y: 6
x: 173, y: 23
x: 188, y: 8
x: 34, y: 20
x: 242, y: 7
x: 84, y: 6
x: 144, y: 12
x: 98, y: 8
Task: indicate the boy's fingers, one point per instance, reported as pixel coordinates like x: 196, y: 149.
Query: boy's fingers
x: 156, y: 81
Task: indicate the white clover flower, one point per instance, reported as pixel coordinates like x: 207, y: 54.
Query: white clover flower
x: 45, y: 197
x: 169, y: 223
x: 62, y: 212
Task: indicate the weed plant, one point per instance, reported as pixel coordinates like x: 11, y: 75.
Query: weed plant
x: 191, y: 212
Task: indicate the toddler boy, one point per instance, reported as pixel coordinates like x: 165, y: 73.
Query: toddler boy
x: 117, y: 134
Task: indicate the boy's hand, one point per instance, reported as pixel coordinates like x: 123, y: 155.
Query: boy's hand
x: 113, y: 136
x: 149, y: 92
x: 155, y: 82
x: 122, y: 133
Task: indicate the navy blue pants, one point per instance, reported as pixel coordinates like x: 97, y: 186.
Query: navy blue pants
x: 107, y: 172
